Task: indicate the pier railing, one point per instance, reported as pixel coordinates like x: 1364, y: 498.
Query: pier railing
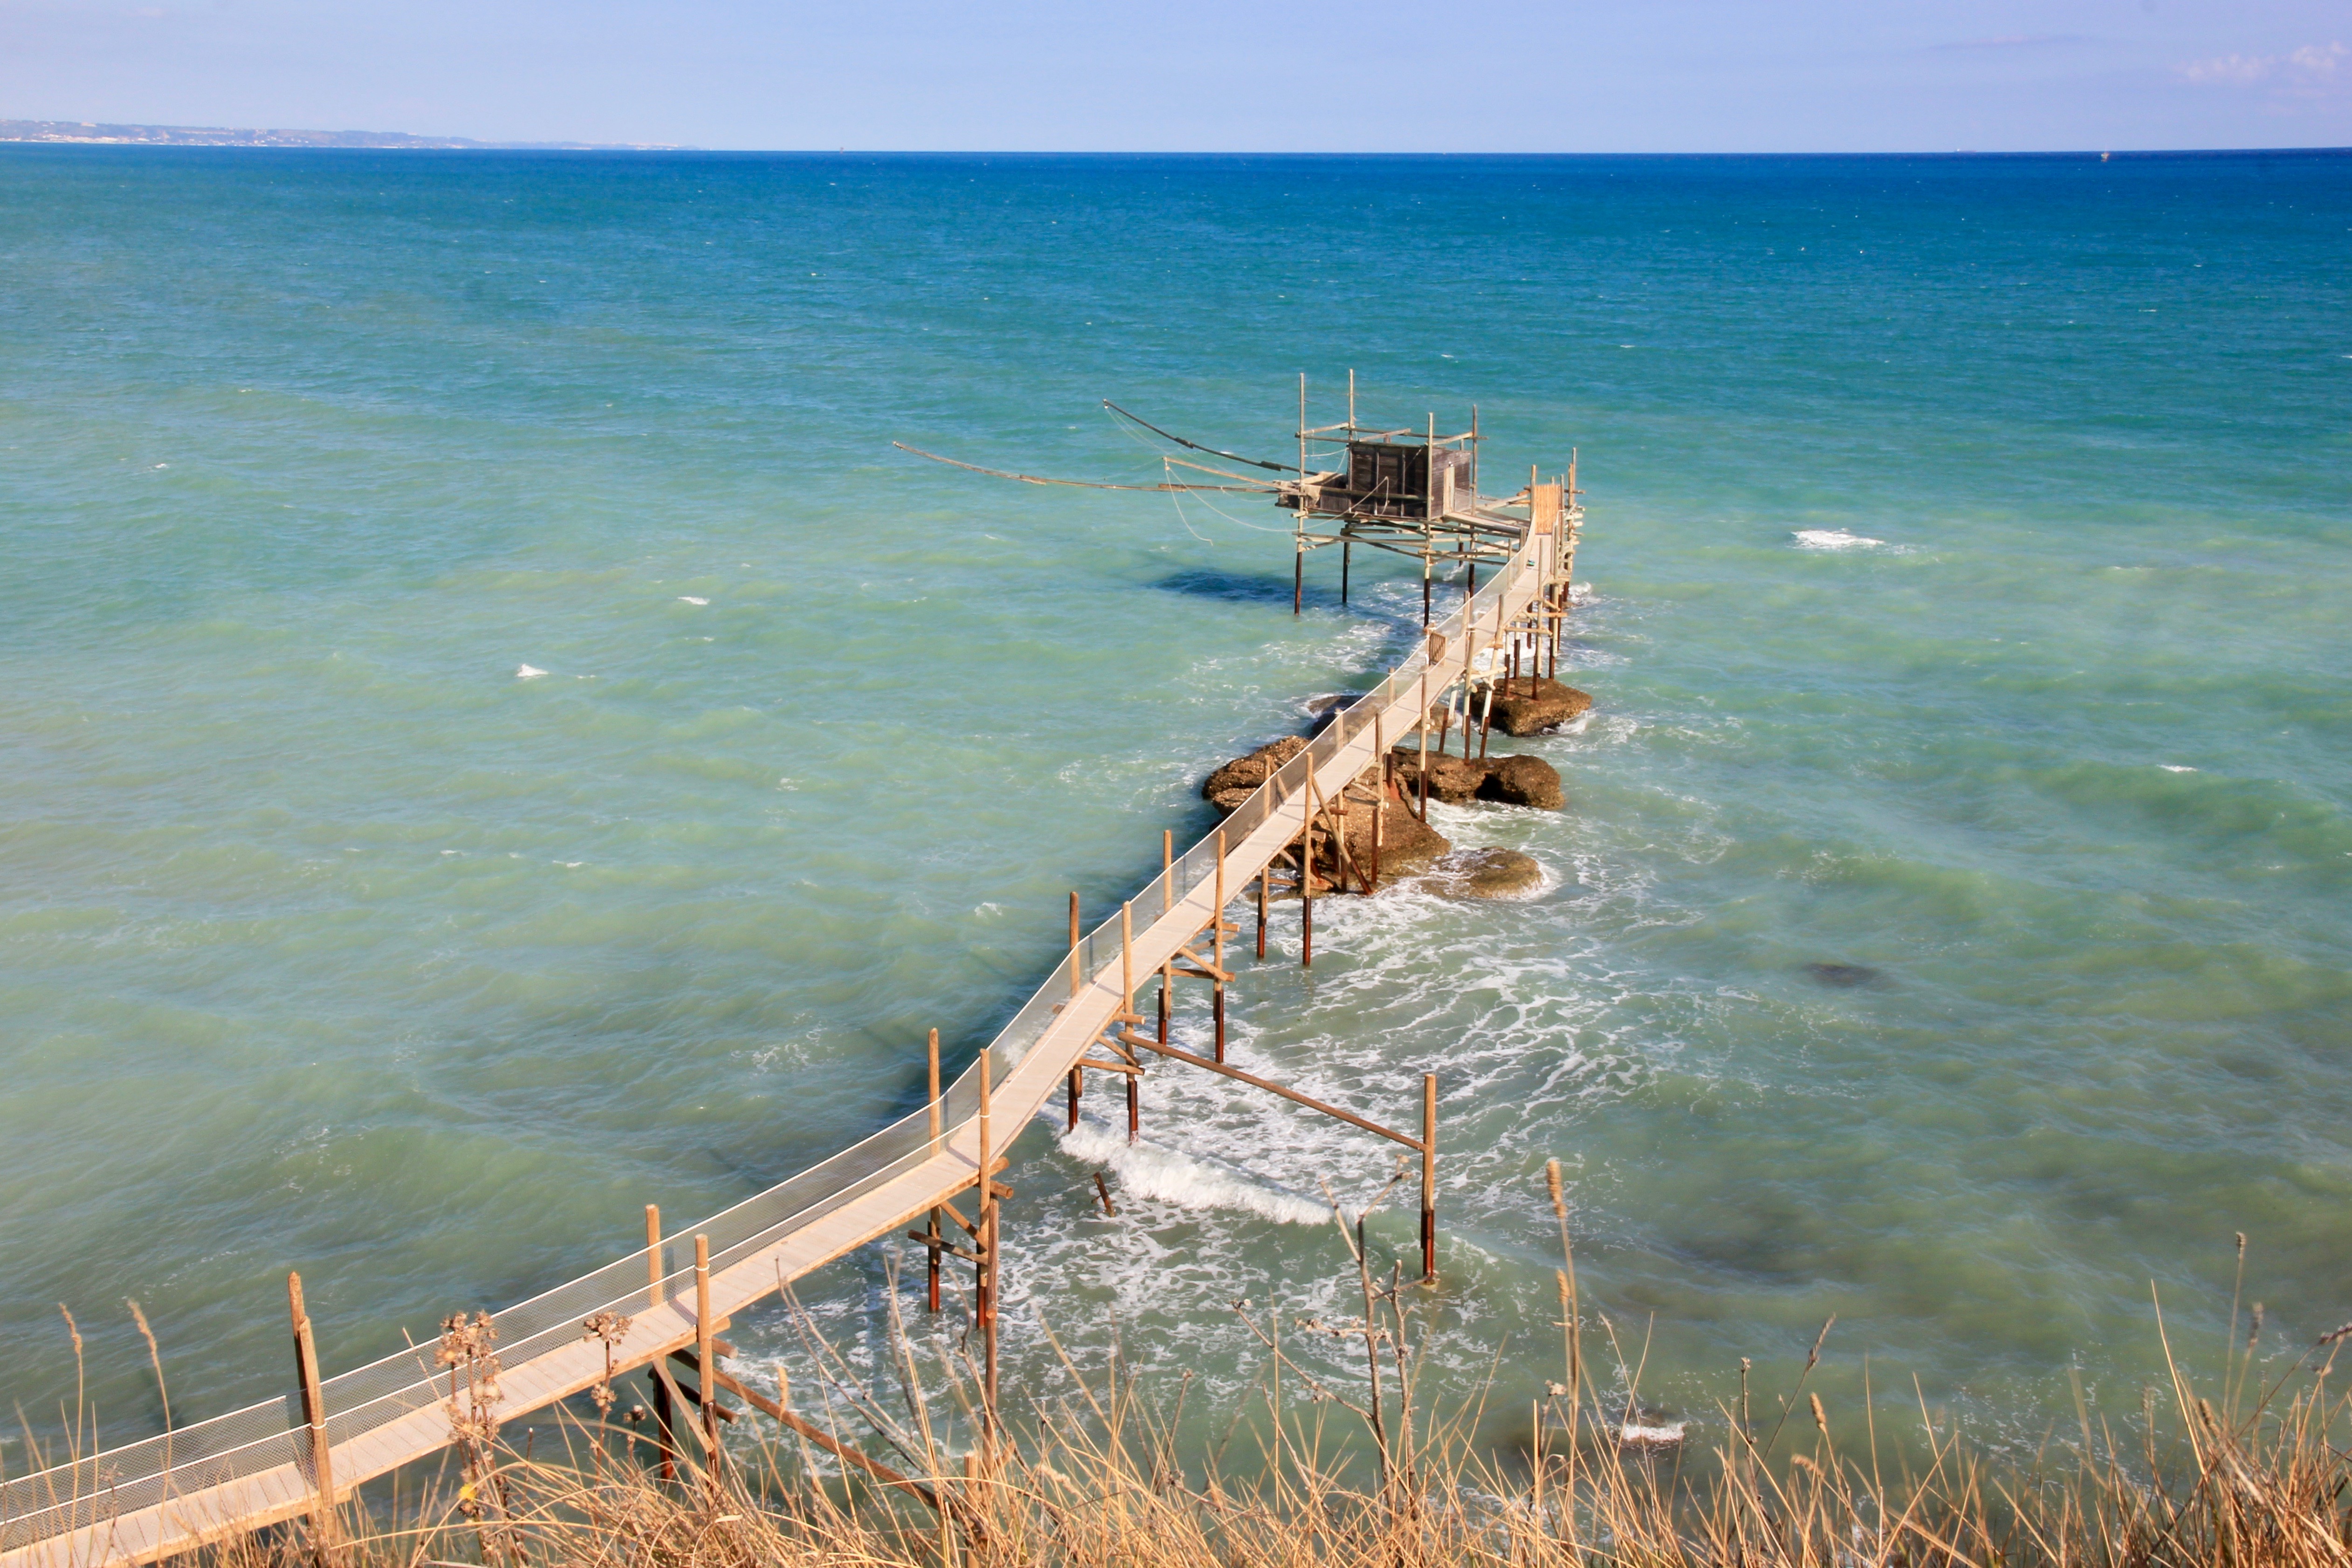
x: 79, y: 1499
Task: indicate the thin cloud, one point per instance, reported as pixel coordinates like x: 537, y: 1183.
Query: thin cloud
x: 2012, y: 41
x: 2308, y: 70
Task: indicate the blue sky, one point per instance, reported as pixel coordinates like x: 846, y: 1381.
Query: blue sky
x: 1211, y: 75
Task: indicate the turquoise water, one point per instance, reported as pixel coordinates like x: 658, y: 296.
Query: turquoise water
x: 1968, y: 553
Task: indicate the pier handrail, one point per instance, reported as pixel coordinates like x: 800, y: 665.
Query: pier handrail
x: 180, y: 1488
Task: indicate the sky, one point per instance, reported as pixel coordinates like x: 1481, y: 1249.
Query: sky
x: 1504, y: 76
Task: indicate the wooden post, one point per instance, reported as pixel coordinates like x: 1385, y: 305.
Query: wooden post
x: 1346, y: 547
x: 1127, y: 987
x: 665, y: 1442
x: 665, y: 1449
x: 1485, y: 723
x: 1423, y: 726
x: 314, y: 1416
x: 1425, y: 587
x: 706, y: 1361
x: 1428, y: 1175
x: 653, y: 1255
x: 1307, y: 870
x: 1217, y: 951
x: 1262, y: 876
x: 1166, y: 903
x: 932, y: 1234
x: 1298, y: 566
x: 984, y: 1284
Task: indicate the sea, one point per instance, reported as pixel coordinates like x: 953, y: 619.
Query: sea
x: 494, y: 733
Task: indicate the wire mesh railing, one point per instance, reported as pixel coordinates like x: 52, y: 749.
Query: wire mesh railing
x: 270, y: 1435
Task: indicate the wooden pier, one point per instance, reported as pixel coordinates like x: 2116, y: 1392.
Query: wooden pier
x: 296, y: 1455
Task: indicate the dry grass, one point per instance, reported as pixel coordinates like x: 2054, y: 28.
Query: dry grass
x: 2242, y: 1473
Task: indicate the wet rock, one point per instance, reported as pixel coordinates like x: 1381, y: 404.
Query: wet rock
x: 1534, y: 703
x: 1231, y: 785
x: 1451, y: 779
x: 1523, y: 781
x: 1407, y: 844
x: 1489, y: 873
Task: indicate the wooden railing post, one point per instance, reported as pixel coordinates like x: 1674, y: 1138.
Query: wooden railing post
x: 314, y: 1417
x: 933, y: 1233
x: 706, y: 1362
x: 1428, y: 1175
x: 664, y: 1452
x: 984, y: 1293
x: 1217, y: 1007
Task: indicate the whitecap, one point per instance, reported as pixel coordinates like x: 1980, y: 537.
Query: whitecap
x: 1833, y: 539
x: 1638, y: 1436
x: 2176, y: 767
x: 691, y: 599
x: 1149, y: 1171
x: 528, y: 672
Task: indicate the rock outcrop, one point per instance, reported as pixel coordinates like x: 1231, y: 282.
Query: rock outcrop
x: 1523, y: 781
x: 1514, y: 781
x: 1230, y: 785
x: 1407, y: 844
x: 1533, y: 704
x: 1452, y: 780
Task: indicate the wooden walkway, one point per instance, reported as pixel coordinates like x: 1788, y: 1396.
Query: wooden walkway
x: 72, y: 1522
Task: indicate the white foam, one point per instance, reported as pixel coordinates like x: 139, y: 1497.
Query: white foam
x: 1148, y: 1170
x: 1638, y: 1436
x: 529, y: 672
x: 691, y: 599
x: 2176, y: 767
x: 1833, y: 539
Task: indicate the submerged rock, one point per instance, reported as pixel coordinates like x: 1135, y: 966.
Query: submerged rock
x: 1535, y: 703
x: 1489, y: 873
x: 1843, y: 976
x: 1523, y: 781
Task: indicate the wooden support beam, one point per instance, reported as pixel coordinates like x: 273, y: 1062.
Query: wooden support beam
x: 1290, y: 1094
x: 781, y: 1415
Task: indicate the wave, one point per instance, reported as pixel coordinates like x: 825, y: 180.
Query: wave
x: 1833, y: 539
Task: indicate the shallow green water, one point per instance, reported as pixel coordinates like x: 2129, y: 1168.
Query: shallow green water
x: 1967, y: 549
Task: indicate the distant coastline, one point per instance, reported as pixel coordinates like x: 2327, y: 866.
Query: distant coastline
x: 87, y: 132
